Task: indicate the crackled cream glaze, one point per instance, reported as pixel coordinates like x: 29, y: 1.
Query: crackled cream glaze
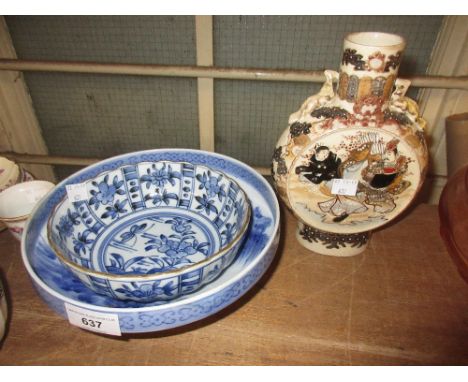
x: 362, y: 132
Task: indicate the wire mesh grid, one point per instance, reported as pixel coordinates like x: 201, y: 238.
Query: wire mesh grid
x: 101, y: 115
x: 163, y: 40
x: 250, y: 116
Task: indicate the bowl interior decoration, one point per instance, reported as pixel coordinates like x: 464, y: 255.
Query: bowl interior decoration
x: 58, y: 287
x: 151, y: 230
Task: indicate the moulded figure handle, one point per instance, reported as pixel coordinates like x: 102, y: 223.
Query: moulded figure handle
x: 405, y: 104
x: 311, y: 103
x: 327, y: 88
x: 401, y: 87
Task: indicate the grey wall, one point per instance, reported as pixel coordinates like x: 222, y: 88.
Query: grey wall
x: 250, y: 116
x: 102, y: 115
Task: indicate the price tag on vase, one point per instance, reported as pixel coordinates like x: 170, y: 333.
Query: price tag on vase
x: 96, y: 322
x: 344, y: 187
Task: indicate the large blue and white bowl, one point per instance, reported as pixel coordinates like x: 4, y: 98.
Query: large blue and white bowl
x: 152, y: 230
x: 61, y: 290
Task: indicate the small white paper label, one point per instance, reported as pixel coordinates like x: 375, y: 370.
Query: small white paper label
x: 344, y: 187
x: 76, y: 192
x: 96, y: 322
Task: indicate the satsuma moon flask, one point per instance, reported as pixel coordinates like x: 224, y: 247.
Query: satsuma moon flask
x: 354, y: 156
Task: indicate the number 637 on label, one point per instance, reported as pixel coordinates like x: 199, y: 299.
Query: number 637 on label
x: 95, y: 321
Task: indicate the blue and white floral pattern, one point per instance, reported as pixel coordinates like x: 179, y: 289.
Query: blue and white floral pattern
x: 212, y: 184
x: 105, y: 192
x: 159, y: 177
x: 166, y: 244
x: 82, y: 242
x: 148, y: 291
x: 57, y: 285
x: 229, y: 232
x: 118, y: 229
x: 160, y: 198
x: 206, y: 204
x: 115, y: 210
x: 66, y: 224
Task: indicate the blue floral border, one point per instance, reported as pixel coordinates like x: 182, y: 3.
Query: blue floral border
x: 134, y: 321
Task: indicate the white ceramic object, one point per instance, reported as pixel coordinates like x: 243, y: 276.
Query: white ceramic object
x: 151, y: 231
x: 17, y: 202
x: 354, y: 156
x: 59, y: 288
x: 10, y: 173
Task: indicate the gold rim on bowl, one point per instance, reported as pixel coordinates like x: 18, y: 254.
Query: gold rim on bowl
x: 155, y: 276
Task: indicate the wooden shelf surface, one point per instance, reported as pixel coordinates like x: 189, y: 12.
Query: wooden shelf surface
x: 401, y: 302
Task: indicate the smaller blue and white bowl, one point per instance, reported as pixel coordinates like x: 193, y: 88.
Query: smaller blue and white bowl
x: 152, y: 231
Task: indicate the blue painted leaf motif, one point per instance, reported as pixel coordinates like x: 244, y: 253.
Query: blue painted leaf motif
x: 240, y: 212
x: 221, y: 193
x: 237, y: 206
x: 157, y: 270
x: 261, y: 223
x: 202, y: 179
x: 175, y: 249
x: 180, y: 225
x: 66, y: 224
x: 229, y: 232
x: 160, y: 177
x: 213, y: 208
x: 169, y: 288
x: 106, y: 192
x: 144, y: 265
x: 107, y: 214
x: 211, y: 184
x: 156, y: 198
x: 165, y: 198
x: 81, y: 242
x: 148, y: 290
x: 132, y: 261
x: 119, y: 259
x: 118, y: 184
x: 113, y: 266
x: 173, y: 176
x: 134, y: 230
x: 73, y: 217
x: 135, y: 265
x: 206, y: 205
x: 115, y: 210
x: 182, y: 260
x: 201, y: 248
